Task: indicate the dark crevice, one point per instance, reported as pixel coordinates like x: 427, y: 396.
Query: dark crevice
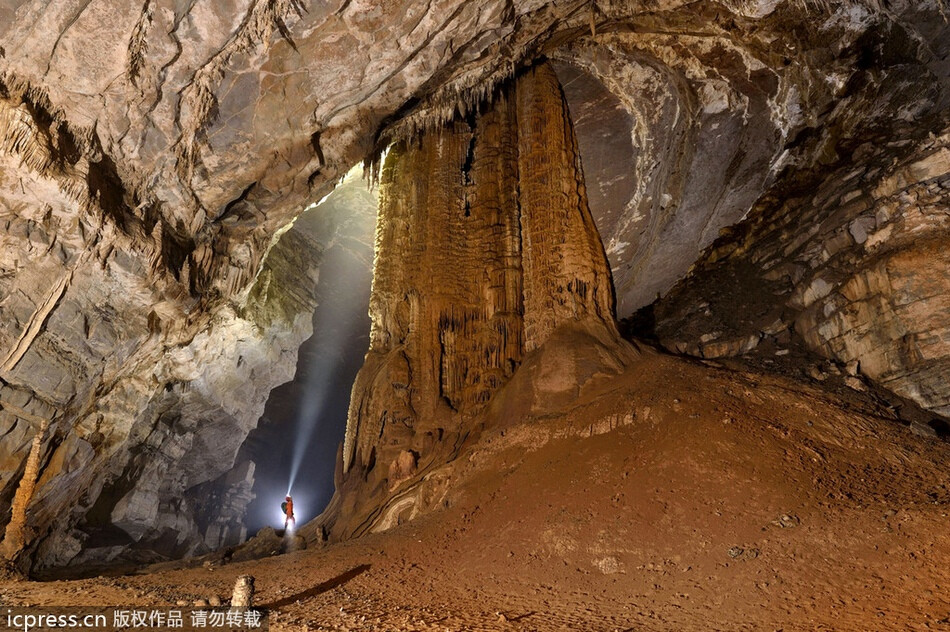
x: 469, y: 162
x: 317, y: 150
x: 106, y: 187
x: 285, y: 33
x: 175, y: 250
x: 234, y: 207
x: 941, y: 427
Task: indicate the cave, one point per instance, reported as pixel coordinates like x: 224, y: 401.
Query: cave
x: 566, y: 314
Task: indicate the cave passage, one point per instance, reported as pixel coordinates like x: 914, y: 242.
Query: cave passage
x: 757, y: 190
x: 294, y: 447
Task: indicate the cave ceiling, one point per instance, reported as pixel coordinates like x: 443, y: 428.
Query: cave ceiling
x: 152, y: 153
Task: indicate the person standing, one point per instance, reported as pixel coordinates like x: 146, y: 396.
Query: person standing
x: 288, y: 508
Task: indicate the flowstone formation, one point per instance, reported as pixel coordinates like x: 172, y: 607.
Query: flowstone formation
x: 152, y: 153
x: 485, y: 250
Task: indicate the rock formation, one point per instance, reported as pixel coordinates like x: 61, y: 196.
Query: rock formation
x: 123, y: 456
x: 243, y: 596
x: 153, y: 153
x: 485, y: 248
x: 15, y: 537
x: 864, y: 283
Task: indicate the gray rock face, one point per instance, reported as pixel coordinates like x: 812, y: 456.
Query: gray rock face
x: 125, y: 448
x: 685, y: 120
x: 151, y: 153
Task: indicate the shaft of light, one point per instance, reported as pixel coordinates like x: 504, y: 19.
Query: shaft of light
x: 339, y: 319
x: 307, y: 420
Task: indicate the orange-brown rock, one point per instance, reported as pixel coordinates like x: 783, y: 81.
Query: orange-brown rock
x: 15, y: 537
x: 485, y: 249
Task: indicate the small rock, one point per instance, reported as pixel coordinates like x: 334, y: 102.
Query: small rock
x: 855, y: 383
x: 608, y: 565
x: 214, y: 600
x: 787, y: 521
x: 403, y: 467
x: 709, y: 337
x: 243, y: 595
x: 181, y: 602
x: 777, y: 326
x: 739, y: 553
x: 201, y: 603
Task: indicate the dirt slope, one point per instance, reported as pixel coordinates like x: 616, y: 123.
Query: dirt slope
x: 681, y: 497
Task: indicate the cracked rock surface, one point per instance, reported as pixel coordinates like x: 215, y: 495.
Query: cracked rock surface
x: 154, y: 154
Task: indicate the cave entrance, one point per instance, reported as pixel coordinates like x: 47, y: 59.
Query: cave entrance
x: 304, y: 420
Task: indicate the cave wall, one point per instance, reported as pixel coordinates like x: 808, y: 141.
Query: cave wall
x: 685, y: 120
x: 838, y: 251
x: 100, y: 341
x: 485, y: 249
x: 856, y: 269
x: 151, y: 152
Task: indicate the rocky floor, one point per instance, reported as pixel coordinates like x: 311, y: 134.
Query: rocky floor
x: 683, y: 496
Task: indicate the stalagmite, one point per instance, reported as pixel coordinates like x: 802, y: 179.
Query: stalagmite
x: 15, y: 537
x: 243, y: 596
x: 158, y: 274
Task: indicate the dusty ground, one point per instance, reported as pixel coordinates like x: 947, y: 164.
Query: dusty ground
x: 726, y: 500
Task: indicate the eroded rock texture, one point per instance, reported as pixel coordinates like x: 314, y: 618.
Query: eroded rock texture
x: 144, y: 405
x: 151, y: 153
x: 687, y: 117
x: 858, y: 268
x: 485, y: 249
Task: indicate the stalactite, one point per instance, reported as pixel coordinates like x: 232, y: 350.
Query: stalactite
x: 14, y: 90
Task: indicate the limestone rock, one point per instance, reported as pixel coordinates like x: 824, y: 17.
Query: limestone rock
x: 402, y: 468
x: 486, y: 250
x: 243, y: 596
x: 152, y: 154
x: 881, y: 303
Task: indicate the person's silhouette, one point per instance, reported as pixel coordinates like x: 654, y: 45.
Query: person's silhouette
x: 288, y: 508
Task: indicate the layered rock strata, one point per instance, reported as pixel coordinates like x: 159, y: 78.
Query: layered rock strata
x: 151, y: 151
x: 145, y: 395
x: 856, y: 268
x: 686, y: 118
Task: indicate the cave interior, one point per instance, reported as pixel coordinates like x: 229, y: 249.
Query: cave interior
x: 528, y: 288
